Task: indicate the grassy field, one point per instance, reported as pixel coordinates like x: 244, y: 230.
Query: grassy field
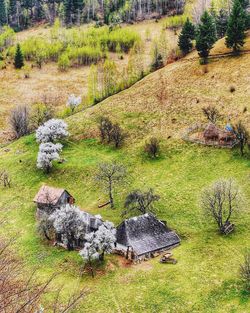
x: 205, y: 279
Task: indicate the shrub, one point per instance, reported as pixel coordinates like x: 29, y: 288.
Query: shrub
x: 63, y: 62
x: 19, y: 121
x: 152, y: 148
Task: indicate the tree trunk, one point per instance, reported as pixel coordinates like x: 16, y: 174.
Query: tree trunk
x: 111, y: 199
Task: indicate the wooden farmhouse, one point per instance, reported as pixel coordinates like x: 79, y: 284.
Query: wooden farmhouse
x: 144, y: 236
x: 48, y: 199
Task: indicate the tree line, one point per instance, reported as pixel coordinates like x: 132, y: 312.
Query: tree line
x: 21, y: 14
x: 214, y: 25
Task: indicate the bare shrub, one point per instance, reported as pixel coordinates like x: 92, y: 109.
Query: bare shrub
x: 105, y: 127
x: 41, y: 113
x: 5, y: 178
x: 117, y: 135
x: 152, y: 148
x: 211, y: 113
x: 245, y: 271
x: 242, y: 135
x: 232, y: 89
x: 111, y: 133
x: 19, y: 121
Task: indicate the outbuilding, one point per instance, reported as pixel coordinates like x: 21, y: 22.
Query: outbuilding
x: 48, y: 199
x: 143, y: 236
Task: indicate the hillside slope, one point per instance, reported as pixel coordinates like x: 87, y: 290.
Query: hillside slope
x: 206, y: 277
x: 172, y: 98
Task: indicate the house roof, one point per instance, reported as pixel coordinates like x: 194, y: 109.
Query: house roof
x: 48, y: 195
x: 145, y: 233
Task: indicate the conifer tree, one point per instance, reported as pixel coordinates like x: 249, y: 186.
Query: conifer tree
x: 3, y: 17
x: 221, y: 23
x: 186, y: 36
x: 19, y: 62
x: 157, y: 61
x: 206, y: 36
x: 236, y: 27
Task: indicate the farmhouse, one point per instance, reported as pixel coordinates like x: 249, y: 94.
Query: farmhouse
x: 142, y: 236
x: 48, y: 199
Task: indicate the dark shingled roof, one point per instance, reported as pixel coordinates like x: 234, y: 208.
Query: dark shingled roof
x: 145, y: 233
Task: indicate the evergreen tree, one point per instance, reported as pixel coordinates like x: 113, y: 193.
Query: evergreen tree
x: 221, y: 23
x: 19, y: 62
x: 3, y: 17
x: 186, y: 36
x: 157, y: 61
x: 206, y: 36
x: 236, y: 27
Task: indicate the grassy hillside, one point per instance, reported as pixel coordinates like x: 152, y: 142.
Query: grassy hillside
x: 55, y: 85
x: 205, y: 279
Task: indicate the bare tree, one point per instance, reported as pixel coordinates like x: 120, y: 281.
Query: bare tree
x: 19, y: 121
x: 220, y: 201
x: 245, y: 271
x: 5, y: 178
x: 117, y: 135
x: 199, y: 8
x: 242, y: 135
x: 21, y: 291
x: 109, y: 175
x: 152, y: 147
x: 211, y: 113
x: 40, y: 113
x: 140, y: 201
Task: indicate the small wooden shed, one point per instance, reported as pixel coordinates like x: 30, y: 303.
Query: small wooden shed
x: 48, y: 199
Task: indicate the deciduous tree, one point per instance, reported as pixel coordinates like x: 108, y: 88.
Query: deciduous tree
x: 220, y: 202
x: 140, y: 201
x: 109, y: 175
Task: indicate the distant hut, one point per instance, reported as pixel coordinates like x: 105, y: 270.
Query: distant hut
x: 211, y: 132
x: 142, y: 236
x: 48, y: 199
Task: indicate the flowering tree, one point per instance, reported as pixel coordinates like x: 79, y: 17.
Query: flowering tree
x: 70, y: 225
x: 52, y: 131
x: 74, y: 102
x: 98, y: 243
x: 106, y: 237
x: 48, y: 152
x: 89, y: 253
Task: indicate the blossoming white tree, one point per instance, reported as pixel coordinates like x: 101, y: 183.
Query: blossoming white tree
x: 51, y: 131
x: 103, y: 240
x: 70, y: 225
x: 98, y: 243
x: 48, y: 152
x: 73, y: 102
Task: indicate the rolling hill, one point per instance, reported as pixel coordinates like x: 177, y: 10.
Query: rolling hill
x: 163, y: 104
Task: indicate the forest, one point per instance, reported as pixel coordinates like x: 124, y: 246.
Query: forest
x: 25, y: 13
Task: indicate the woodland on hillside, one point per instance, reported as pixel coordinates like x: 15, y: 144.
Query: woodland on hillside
x: 24, y: 13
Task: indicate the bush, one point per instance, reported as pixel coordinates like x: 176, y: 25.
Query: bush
x: 19, y: 121
x: 152, y: 148
x: 63, y: 62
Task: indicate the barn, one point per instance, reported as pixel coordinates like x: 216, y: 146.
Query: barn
x: 142, y: 236
x: 48, y: 199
